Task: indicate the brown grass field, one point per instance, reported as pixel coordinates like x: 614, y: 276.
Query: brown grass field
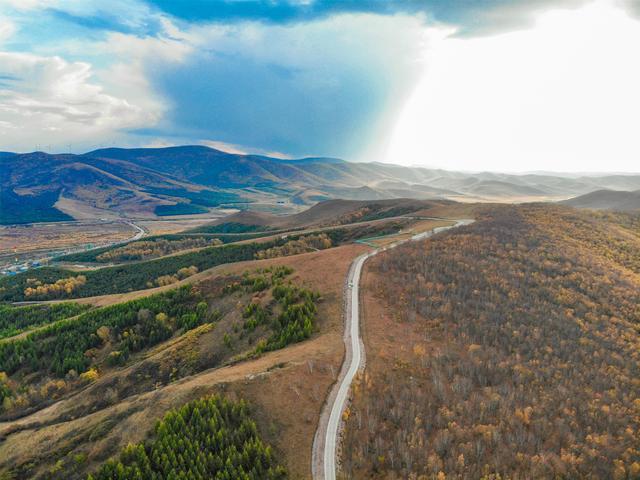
x: 52, y: 236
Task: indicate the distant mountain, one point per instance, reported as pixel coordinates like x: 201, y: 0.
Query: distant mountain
x: 607, y: 200
x: 145, y: 182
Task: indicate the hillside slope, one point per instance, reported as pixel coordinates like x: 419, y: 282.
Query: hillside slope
x: 143, y: 363
x: 506, y: 349
x: 329, y: 212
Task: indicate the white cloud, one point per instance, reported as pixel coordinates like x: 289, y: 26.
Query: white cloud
x: 131, y: 13
x: 225, y: 147
x: 132, y: 59
x: 7, y: 29
x: 562, y: 95
x: 242, y: 150
x: 44, y: 98
x: 52, y: 102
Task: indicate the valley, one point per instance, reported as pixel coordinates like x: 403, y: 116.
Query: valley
x: 26, y: 246
x: 249, y: 307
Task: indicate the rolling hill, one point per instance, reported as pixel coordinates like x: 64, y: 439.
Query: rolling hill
x: 146, y: 182
x: 607, y: 200
x: 329, y: 212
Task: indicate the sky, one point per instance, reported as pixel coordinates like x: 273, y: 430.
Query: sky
x: 502, y: 85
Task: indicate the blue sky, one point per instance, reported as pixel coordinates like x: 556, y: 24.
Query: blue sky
x: 285, y: 77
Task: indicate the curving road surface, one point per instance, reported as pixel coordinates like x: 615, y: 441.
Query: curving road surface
x: 327, y: 436
x: 140, y: 232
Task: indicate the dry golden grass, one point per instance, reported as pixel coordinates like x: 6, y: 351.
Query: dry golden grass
x: 52, y: 236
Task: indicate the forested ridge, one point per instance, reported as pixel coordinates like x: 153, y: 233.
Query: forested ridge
x: 129, y: 277
x: 523, y: 353
x: 209, y: 438
x: 53, y: 282
x: 305, y: 244
x: 145, y: 249
x: 173, y: 241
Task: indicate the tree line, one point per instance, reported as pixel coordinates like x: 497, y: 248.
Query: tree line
x: 307, y: 243
x: 129, y: 277
x: 146, y: 249
x: 136, y: 276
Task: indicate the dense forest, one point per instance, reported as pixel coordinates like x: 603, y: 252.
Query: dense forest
x: 145, y: 274
x: 129, y: 277
x: 174, y: 241
x: 18, y: 209
x: 209, y: 438
x: 343, y: 235
x: 374, y: 211
x: 146, y: 249
x: 127, y: 327
x: 511, y: 350
x: 66, y: 355
x: 204, y: 198
x: 230, y: 227
x: 14, y: 320
x: 180, y: 208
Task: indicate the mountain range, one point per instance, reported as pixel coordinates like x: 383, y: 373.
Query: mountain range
x: 148, y: 182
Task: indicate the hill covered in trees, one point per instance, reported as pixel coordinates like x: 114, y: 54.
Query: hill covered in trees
x: 244, y: 316
x: 505, y: 349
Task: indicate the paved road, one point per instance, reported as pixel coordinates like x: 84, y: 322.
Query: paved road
x: 141, y: 232
x: 327, y: 436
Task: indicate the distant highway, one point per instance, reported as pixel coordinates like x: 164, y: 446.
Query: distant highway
x: 327, y: 436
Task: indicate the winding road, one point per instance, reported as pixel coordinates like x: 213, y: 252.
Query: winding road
x: 327, y: 435
x: 140, y: 232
